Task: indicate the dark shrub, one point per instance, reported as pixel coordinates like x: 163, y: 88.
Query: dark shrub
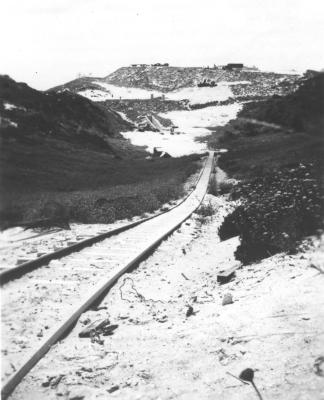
x: 206, y: 210
x: 230, y: 227
x: 226, y: 186
x: 278, y: 210
x: 55, y: 211
x: 213, y: 187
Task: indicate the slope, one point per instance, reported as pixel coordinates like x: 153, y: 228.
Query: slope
x: 144, y: 81
x: 53, y: 144
x: 279, y: 131
x: 281, y: 188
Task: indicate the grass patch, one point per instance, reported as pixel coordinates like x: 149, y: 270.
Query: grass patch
x: 204, y: 212
x: 109, y: 189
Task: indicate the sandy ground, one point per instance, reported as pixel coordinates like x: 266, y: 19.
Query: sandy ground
x: 18, y: 245
x: 194, y: 123
x: 195, y: 95
x: 111, y: 92
x: 46, y: 297
x: 274, y: 325
x: 201, y: 95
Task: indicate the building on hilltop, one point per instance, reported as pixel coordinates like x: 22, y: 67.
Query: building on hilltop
x: 160, y: 65
x: 231, y: 66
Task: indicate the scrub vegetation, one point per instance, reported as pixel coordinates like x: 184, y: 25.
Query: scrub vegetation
x: 281, y: 186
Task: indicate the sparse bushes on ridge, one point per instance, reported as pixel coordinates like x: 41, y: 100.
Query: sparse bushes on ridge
x: 278, y: 210
x: 298, y: 110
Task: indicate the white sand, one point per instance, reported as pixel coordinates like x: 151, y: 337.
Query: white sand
x: 9, y: 106
x: 192, y: 124
x: 274, y: 326
x: 201, y: 95
x: 195, y: 95
x: 111, y: 92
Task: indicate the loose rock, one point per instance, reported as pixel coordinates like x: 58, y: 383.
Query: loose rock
x: 190, y: 311
x: 227, y: 299
x: 113, y: 389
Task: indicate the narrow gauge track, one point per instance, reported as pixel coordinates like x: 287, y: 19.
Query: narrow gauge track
x: 43, y: 305
x: 16, y: 272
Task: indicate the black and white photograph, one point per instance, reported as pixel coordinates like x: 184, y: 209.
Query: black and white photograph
x: 161, y: 199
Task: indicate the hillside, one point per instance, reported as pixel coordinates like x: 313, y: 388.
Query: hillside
x: 40, y: 131
x: 279, y: 131
x: 64, y: 150
x: 301, y: 111
x: 73, y: 118
x: 149, y: 90
x: 142, y: 82
x: 281, y: 185
x: 168, y: 78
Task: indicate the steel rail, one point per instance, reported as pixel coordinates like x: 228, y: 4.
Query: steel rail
x: 194, y: 200
x: 22, y: 269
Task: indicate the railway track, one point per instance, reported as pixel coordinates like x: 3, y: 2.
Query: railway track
x: 42, y: 305
x: 17, y: 271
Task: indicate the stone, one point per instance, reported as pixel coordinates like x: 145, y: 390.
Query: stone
x: 113, y: 389
x: 190, y: 311
x: 227, y: 299
x: 227, y: 275
x: 100, y: 326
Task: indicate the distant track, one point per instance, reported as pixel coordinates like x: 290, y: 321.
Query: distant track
x: 22, y: 269
x: 122, y: 253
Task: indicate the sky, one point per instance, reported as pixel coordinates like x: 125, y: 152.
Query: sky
x: 49, y: 42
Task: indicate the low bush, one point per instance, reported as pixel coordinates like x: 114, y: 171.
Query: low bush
x: 225, y: 187
x: 230, y: 226
x: 206, y: 210
x: 213, y: 187
x: 277, y: 211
